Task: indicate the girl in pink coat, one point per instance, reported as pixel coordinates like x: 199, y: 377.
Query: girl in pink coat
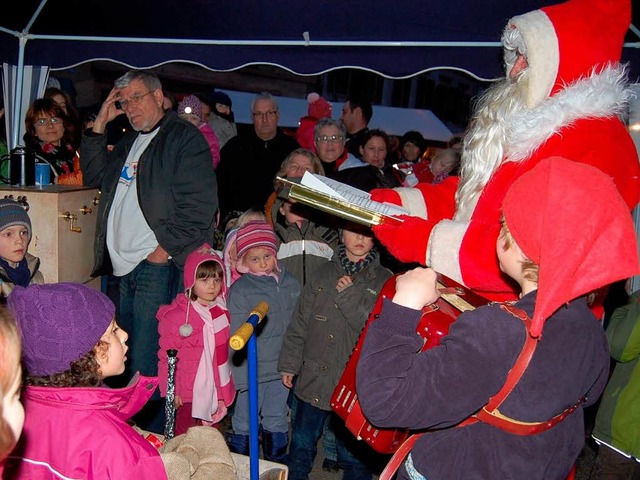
x: 75, y: 426
x: 196, y: 324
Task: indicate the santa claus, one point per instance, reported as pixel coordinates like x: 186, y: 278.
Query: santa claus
x: 564, y: 95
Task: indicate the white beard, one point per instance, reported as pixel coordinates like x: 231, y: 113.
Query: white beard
x: 504, y: 129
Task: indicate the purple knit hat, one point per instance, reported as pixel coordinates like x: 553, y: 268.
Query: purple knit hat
x: 253, y: 235
x: 190, y: 104
x: 60, y: 322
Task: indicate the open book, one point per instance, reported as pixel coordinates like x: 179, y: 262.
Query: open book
x: 340, y: 199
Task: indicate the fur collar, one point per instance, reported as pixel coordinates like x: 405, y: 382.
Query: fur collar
x: 605, y: 94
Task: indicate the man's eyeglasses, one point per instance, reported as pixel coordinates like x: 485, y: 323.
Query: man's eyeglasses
x: 133, y: 100
x: 41, y: 122
x: 265, y: 115
x: 329, y: 138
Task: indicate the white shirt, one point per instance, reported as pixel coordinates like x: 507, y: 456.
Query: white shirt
x: 129, y: 238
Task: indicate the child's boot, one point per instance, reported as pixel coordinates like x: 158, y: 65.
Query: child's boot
x: 238, y: 443
x: 274, y: 445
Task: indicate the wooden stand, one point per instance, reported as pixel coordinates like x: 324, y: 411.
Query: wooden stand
x: 64, y: 225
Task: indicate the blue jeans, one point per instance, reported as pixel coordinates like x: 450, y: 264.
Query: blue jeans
x: 307, y: 427
x: 142, y: 292
x: 328, y: 437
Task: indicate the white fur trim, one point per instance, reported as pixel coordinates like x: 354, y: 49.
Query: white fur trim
x: 443, y: 251
x: 413, y: 200
x: 602, y: 95
x: 543, y: 54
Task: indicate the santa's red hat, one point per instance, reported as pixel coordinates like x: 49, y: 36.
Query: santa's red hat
x: 569, y: 219
x: 570, y: 40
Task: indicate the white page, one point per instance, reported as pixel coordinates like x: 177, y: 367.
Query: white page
x: 350, y: 194
x: 319, y: 183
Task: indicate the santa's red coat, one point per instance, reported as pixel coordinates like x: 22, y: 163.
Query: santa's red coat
x: 465, y: 249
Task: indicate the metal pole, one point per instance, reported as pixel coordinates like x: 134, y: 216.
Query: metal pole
x: 254, y: 449
x: 245, y: 335
x: 170, y: 408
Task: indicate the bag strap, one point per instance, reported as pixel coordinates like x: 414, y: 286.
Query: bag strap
x: 518, y: 369
x: 398, y: 457
x: 491, y: 414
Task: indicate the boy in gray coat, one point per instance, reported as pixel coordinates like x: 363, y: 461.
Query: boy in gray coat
x: 329, y: 317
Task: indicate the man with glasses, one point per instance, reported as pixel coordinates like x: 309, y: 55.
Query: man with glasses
x: 158, y: 201
x: 249, y: 161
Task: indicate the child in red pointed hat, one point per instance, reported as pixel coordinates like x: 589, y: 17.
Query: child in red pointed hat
x: 503, y: 394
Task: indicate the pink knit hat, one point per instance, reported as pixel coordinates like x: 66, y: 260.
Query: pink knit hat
x: 256, y: 234
x: 196, y: 258
x: 190, y: 104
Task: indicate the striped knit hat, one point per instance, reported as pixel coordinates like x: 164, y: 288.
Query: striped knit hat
x: 253, y: 235
x: 12, y: 213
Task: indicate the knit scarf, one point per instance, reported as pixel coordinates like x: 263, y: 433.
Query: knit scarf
x: 354, y: 267
x: 19, y: 275
x: 209, y: 386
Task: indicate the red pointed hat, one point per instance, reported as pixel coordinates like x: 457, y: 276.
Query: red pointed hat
x: 568, y: 41
x: 580, y: 233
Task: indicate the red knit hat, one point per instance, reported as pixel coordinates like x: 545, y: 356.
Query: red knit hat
x: 568, y: 41
x: 318, y: 106
x: 580, y: 232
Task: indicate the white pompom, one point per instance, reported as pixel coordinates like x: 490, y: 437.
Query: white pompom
x: 186, y: 330
x: 313, y: 97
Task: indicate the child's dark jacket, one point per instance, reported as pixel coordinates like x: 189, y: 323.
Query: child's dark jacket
x: 326, y: 326
x: 443, y: 385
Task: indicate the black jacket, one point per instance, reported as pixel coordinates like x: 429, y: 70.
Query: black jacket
x: 177, y: 188
x: 247, y: 169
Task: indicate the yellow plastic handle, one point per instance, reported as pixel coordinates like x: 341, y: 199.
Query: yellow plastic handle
x: 261, y: 310
x: 241, y: 337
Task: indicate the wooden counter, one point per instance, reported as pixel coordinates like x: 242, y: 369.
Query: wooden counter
x: 64, y: 225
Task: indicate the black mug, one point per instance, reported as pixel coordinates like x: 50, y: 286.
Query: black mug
x: 22, y: 167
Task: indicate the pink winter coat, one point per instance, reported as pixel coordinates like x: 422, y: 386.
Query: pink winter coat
x: 190, y: 349
x: 212, y: 140
x: 82, y: 433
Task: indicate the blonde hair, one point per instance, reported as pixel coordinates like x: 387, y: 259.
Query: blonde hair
x: 530, y: 269
x: 316, y: 164
x: 10, y: 352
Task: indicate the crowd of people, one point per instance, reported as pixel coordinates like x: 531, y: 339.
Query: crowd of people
x: 527, y: 214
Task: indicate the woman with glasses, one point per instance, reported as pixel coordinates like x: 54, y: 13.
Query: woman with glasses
x: 49, y: 133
